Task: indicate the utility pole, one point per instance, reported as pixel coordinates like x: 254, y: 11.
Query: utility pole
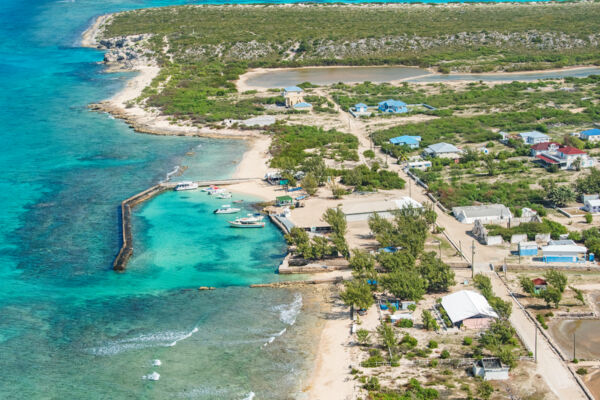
x: 535, y: 349
x: 505, y: 268
x: 460, y: 248
x: 440, y: 246
x: 409, y: 187
x: 473, y: 260
x: 574, y: 358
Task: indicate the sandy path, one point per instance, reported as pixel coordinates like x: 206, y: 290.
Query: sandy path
x: 550, y: 366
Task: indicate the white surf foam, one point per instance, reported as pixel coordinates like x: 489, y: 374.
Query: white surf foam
x: 156, y: 363
x: 289, y: 312
x: 275, y: 336
x: 183, y: 337
x: 250, y: 396
x: 173, y: 172
x: 161, y: 339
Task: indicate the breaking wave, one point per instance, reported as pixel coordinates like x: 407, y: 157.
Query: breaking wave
x: 289, y: 312
x: 162, y: 339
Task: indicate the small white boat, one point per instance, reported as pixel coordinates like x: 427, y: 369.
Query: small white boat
x: 251, y: 221
x: 224, y: 195
x: 187, y: 185
x: 227, y: 209
x: 210, y: 189
x: 216, y: 192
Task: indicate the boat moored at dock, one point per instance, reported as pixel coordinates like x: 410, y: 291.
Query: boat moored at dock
x: 251, y: 221
x: 186, y: 185
x: 227, y: 209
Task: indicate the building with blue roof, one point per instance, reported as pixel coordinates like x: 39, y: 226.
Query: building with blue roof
x: 591, y: 135
x: 393, y: 106
x: 361, y: 107
x: 360, y: 110
x: 303, y: 106
x: 411, y: 141
x: 534, y: 137
x: 292, y: 96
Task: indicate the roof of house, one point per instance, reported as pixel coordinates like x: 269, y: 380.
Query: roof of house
x: 543, y: 146
x: 440, y: 148
x: 561, y: 242
x: 302, y: 104
x: 406, y: 140
x: 533, y: 134
x: 539, y: 281
x: 488, y: 210
x: 284, y: 198
x: 293, y: 89
x: 363, y: 207
x: 392, y: 102
x: 564, y: 248
x: 593, y: 202
x: 547, y: 159
x: 570, y: 150
x: 528, y: 245
x: 357, y: 105
x: 490, y: 363
x: 591, y: 132
x: 467, y: 304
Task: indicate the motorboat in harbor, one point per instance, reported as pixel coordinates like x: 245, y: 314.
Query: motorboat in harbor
x: 216, y: 192
x: 224, y: 195
x: 238, y: 201
x: 227, y: 209
x: 187, y: 185
x: 251, y: 221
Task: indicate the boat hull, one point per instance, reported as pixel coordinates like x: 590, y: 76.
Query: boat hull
x: 238, y: 225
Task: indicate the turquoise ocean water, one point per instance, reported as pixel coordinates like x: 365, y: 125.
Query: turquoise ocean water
x: 70, y: 328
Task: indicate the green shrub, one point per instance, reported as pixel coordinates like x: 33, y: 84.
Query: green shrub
x: 444, y: 354
x: 582, y: 371
x: 432, y: 344
x: 467, y: 341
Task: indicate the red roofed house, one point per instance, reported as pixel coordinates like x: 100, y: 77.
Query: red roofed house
x: 566, y: 157
x: 547, y: 147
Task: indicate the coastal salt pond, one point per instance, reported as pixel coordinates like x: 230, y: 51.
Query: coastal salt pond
x: 264, y: 79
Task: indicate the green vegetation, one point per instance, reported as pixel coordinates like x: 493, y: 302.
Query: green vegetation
x: 484, y: 284
x: 368, y: 179
x: 429, y: 322
x: 196, y: 31
x: 555, y: 229
x: 542, y: 320
x: 203, y: 49
x: 291, y: 142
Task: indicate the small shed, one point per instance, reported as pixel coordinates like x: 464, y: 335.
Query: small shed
x: 490, y: 369
x: 528, y: 249
x: 361, y: 107
x: 284, y: 201
x: 592, y: 205
x: 539, y: 284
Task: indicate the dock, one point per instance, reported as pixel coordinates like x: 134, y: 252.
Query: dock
x: 126, y: 250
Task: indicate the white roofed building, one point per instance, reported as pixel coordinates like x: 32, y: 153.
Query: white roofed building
x: 489, y: 213
x: 442, y: 150
x: 361, y: 211
x: 468, y: 309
